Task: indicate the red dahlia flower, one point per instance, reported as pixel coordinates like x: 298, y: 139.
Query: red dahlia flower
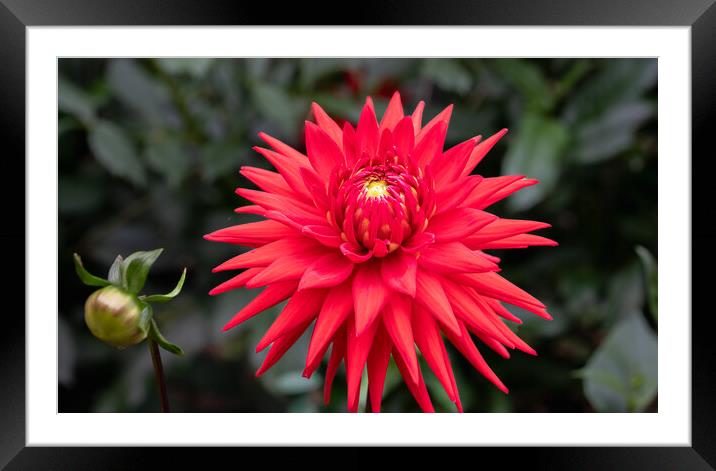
x: 378, y: 235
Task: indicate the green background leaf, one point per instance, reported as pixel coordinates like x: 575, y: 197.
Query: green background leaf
x: 622, y: 376
x: 115, y: 151
x: 535, y: 152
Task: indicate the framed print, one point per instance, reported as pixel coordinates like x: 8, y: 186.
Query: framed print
x: 237, y: 234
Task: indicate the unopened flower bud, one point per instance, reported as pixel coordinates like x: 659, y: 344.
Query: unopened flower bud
x: 115, y: 317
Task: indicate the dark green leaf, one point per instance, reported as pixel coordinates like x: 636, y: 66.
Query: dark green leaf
x: 528, y: 79
x: 649, y: 265
x: 618, y: 81
x: 135, y: 268
x: 115, y: 271
x: 536, y: 153
x: 621, y: 376
x: 66, y: 124
x: 162, y: 298
x: 447, y: 74
x: 170, y: 159
x: 86, y: 277
x: 275, y: 104
x: 75, y: 101
x: 79, y: 195
x: 115, y: 152
x: 220, y: 159
x: 138, y: 90
x: 314, y: 69
x: 196, y: 67
x: 611, y: 132
x: 157, y: 336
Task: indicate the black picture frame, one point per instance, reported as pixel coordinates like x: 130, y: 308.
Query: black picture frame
x: 16, y: 15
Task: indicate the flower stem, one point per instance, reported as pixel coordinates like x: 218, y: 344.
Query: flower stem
x: 159, y: 375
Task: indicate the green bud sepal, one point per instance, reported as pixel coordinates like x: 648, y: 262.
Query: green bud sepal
x: 116, y: 314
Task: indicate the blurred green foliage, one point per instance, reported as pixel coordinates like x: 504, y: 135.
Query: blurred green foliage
x: 149, y: 154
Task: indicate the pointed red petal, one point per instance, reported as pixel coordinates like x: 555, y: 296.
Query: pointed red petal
x: 356, y: 357
x: 481, y: 150
x: 514, y: 242
x: 431, y: 145
x: 329, y: 270
x: 505, y: 192
x: 467, y: 347
x: 252, y: 234
x: 300, y: 309
x: 427, y: 337
x: 284, y: 149
x: 501, y: 310
x: 404, y: 137
x: 265, y: 255
x: 289, y: 169
x: 431, y: 295
x: 503, y: 228
x: 444, y: 115
x: 267, y: 180
x: 397, y: 320
x: 327, y: 124
x: 458, y: 223
x: 454, y: 195
x: 291, y: 266
x: 466, y: 308
x: 378, y: 360
x: 323, y: 152
x: 417, y: 117
x: 236, y: 282
x: 349, y: 144
x: 326, y: 235
x: 449, y: 167
x: 369, y: 295
x: 317, y: 187
x: 418, y: 242
x: 495, y: 286
x: 419, y: 391
x: 336, y: 308
x: 393, y: 113
x: 398, y: 272
x: 454, y: 257
x: 488, y: 187
x: 270, y: 296
x: 293, y: 209
x: 280, y: 347
x: 367, y: 132
x: 355, y: 254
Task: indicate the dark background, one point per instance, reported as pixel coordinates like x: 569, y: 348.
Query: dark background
x: 149, y: 157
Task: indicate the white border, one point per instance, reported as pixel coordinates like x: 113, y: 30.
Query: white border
x: 670, y: 426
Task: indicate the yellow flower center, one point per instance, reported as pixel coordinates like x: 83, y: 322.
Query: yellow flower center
x: 376, y: 188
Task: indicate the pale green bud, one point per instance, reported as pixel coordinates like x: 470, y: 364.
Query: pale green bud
x: 116, y: 317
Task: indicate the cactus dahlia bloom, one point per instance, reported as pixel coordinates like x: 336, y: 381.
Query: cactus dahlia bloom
x: 379, y: 236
